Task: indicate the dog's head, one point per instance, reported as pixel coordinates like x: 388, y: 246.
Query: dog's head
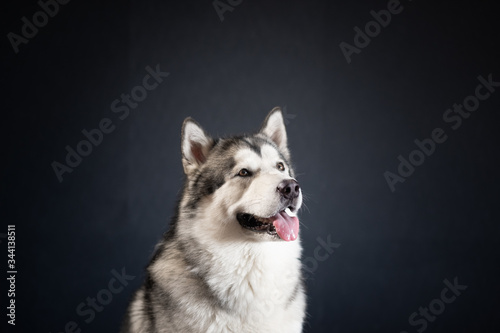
x: 241, y: 186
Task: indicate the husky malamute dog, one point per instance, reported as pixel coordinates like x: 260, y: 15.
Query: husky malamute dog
x: 230, y: 261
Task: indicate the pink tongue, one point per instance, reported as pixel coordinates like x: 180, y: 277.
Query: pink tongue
x: 286, y: 226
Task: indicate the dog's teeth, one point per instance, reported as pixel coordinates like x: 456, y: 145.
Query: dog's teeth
x: 289, y: 212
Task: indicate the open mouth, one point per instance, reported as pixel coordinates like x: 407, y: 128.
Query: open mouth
x: 284, y: 224
x: 254, y: 223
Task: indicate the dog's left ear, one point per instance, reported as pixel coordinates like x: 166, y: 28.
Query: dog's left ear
x: 196, y: 145
x: 274, y: 128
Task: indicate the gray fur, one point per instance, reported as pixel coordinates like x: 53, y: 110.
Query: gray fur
x: 182, y: 289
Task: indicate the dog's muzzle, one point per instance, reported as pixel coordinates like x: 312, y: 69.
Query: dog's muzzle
x: 284, y: 224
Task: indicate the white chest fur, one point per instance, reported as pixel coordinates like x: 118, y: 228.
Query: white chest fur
x: 260, y: 285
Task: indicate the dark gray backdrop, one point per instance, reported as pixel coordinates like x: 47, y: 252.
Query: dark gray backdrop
x: 347, y: 125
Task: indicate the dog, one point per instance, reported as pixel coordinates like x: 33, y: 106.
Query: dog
x: 230, y: 261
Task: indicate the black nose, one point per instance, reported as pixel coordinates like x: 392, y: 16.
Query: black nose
x: 289, y: 188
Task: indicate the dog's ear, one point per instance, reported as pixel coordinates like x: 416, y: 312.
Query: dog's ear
x: 196, y: 145
x: 274, y: 128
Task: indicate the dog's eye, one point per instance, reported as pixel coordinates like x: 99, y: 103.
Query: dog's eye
x: 244, y: 173
x: 280, y: 166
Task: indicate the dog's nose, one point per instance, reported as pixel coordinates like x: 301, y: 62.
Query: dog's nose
x: 289, y: 188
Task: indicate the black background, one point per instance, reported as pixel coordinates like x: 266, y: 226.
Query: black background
x: 347, y: 124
